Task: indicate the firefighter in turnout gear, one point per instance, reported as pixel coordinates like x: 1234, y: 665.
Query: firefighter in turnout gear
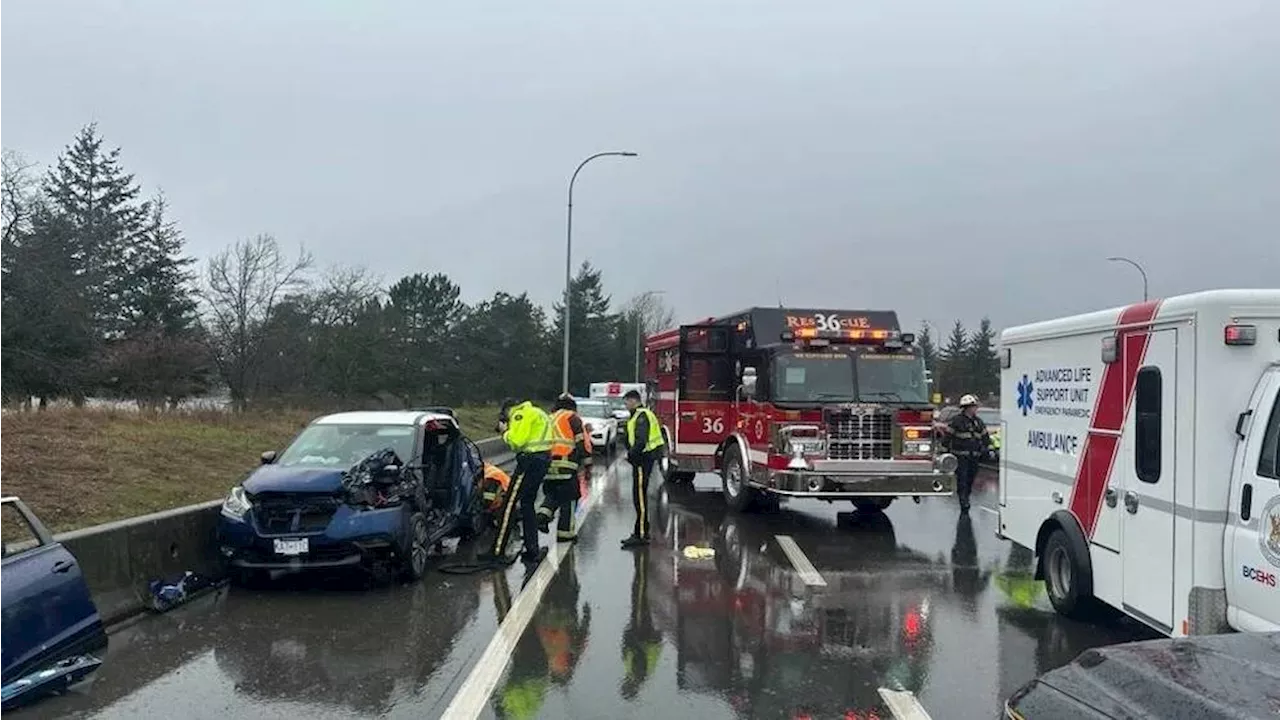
x: 641, y: 639
x: 493, y: 491
x: 549, y: 656
x: 968, y: 440
x: 527, y: 431
x: 569, y: 453
x: 644, y: 447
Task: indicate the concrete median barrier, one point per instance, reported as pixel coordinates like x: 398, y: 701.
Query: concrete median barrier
x: 120, y: 558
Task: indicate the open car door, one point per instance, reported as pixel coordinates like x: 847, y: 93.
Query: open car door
x: 49, y: 614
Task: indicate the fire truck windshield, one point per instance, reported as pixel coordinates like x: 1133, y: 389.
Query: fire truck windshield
x: 898, y: 378
x: 837, y: 377
x: 813, y: 377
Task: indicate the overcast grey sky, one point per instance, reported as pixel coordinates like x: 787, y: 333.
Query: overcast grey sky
x: 945, y: 159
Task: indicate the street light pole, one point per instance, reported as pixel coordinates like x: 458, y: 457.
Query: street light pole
x: 1140, y: 270
x: 640, y: 324
x: 568, y: 257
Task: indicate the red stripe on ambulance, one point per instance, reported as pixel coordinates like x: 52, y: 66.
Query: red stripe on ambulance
x: 1109, y: 410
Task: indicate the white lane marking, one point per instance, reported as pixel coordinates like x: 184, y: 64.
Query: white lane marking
x: 903, y: 704
x: 471, y: 698
x: 984, y: 508
x: 805, y: 569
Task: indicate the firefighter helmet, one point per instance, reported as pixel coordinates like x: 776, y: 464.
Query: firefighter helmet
x: 968, y: 400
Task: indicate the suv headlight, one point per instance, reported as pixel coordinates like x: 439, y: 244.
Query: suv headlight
x: 236, y: 504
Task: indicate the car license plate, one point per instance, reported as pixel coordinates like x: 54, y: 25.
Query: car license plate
x: 291, y: 547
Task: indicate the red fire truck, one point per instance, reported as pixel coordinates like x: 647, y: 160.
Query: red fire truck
x: 825, y: 404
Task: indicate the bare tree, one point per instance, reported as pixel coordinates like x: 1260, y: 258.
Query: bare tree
x: 17, y: 196
x: 647, y: 312
x: 244, y: 284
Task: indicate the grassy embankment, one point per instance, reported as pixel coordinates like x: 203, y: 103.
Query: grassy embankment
x: 80, y: 467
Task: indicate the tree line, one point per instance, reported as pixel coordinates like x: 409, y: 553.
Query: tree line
x: 965, y: 362
x: 101, y: 299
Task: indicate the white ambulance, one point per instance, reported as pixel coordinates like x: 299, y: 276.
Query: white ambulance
x: 1140, y: 459
x: 612, y: 393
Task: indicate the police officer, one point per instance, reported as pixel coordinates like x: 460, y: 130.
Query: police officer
x: 527, y: 431
x: 569, y: 453
x: 644, y: 446
x: 968, y: 441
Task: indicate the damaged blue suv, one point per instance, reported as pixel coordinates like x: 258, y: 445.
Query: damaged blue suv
x: 372, y: 490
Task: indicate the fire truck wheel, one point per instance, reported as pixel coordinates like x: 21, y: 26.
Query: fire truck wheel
x: 1063, y: 577
x: 737, y: 495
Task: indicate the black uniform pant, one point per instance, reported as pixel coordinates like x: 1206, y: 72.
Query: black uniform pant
x: 966, y: 471
x: 641, y: 469
x: 531, y: 468
x: 560, y: 496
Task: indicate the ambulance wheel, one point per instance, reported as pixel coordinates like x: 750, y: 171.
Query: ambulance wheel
x: 737, y: 495
x: 1064, y: 578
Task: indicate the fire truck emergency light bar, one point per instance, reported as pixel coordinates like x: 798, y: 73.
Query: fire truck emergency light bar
x: 815, y: 334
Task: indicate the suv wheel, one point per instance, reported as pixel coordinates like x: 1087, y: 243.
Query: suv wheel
x: 417, y: 548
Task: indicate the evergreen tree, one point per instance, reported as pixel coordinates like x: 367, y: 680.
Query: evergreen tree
x: 160, y: 296
x: 48, y: 330
x: 592, y: 332
x: 90, y: 191
x: 956, y: 378
x: 423, y: 311
x: 928, y: 348
x: 984, y: 364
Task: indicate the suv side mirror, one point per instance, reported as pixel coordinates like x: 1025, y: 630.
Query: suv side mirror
x: 268, y: 457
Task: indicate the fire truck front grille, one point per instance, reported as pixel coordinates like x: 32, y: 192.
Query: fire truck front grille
x: 858, y: 435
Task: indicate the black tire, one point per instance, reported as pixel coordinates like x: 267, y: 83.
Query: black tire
x: 680, y: 477
x: 1064, y: 577
x: 413, y: 557
x: 739, y: 496
x: 873, y: 504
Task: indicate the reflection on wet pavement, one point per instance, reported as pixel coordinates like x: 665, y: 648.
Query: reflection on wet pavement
x: 713, y: 620
x: 718, y: 622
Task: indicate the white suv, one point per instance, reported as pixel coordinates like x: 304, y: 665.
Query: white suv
x: 601, y: 425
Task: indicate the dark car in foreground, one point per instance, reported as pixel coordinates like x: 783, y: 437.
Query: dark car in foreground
x: 48, y: 612
x: 369, y: 490
x: 1205, y: 677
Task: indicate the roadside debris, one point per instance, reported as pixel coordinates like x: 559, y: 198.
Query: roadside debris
x: 168, y: 594
x: 55, y: 679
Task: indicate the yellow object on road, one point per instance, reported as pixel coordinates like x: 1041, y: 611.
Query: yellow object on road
x: 694, y: 552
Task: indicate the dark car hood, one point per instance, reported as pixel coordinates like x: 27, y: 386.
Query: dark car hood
x: 1216, y: 676
x: 276, y: 478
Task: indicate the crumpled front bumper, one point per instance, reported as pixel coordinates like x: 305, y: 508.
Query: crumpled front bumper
x: 352, y: 537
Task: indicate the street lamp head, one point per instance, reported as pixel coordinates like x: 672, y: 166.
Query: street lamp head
x: 628, y: 154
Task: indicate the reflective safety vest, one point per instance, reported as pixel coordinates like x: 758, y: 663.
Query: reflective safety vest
x: 563, y: 442
x: 654, y: 440
x: 494, y: 486
x: 528, y: 429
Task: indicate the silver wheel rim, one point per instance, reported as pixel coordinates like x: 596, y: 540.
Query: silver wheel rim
x: 733, y: 478
x: 1059, y: 573
x: 419, y: 551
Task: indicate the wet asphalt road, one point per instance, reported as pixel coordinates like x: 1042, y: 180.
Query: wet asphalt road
x: 917, y: 598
